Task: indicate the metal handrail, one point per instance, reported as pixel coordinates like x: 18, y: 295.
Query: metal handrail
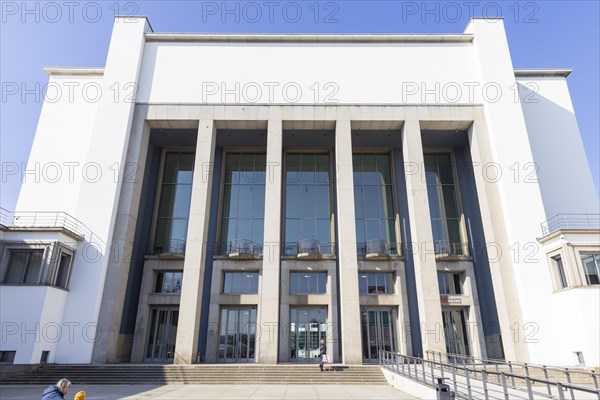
x: 502, y: 382
x: 474, y: 361
x: 570, y: 221
x: 48, y: 219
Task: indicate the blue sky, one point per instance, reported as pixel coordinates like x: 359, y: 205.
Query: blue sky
x: 33, y: 35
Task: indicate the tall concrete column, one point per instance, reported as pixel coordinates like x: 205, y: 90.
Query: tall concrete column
x: 346, y: 245
x: 186, y: 345
x: 494, y: 228
x: 430, y: 308
x: 268, y: 309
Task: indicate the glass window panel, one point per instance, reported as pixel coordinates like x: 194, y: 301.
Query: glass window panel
x: 372, y: 283
x: 258, y: 226
x: 244, y: 229
x: 430, y: 162
x: 167, y: 200
x: 453, y: 231
x: 372, y: 229
x: 179, y: 229
x: 34, y: 267
x: 63, y: 270
x: 362, y: 283
x: 227, y: 231
x: 260, y: 166
x: 247, y: 173
x: 181, y: 202
x: 449, y: 201
x: 163, y: 233
x: 245, y: 201
x: 228, y: 283
x: 258, y: 208
x: 293, y: 168
x: 434, y: 202
x: 186, y: 168
x: 358, y: 201
x: 457, y: 284
x: 322, y: 169
x: 171, y: 168
x: 17, y: 267
x: 323, y: 232
x: 431, y: 177
x: 292, y: 231
x: 294, y: 283
x: 293, y: 201
x: 357, y: 169
x: 236, y: 284
x: 383, y: 167
x: 226, y: 201
x: 308, y: 204
x: 308, y: 229
x: 360, y: 230
x: 254, y: 282
x: 322, y: 201
x: 369, y: 170
x: 386, y: 208
x: 232, y: 168
x: 438, y: 230
x: 322, y: 283
x: 308, y: 169
x: 303, y: 285
x: 445, y: 169
x: 371, y: 200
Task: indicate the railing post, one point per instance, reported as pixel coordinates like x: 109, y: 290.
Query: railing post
x: 454, y: 379
x: 497, y: 372
x: 512, y: 377
x: 432, y: 374
x: 468, y: 383
x: 423, y: 369
x: 568, y: 374
x: 595, y: 379
x: 484, y: 377
x: 559, y: 388
x: 504, y: 388
x: 545, y: 369
x: 528, y: 383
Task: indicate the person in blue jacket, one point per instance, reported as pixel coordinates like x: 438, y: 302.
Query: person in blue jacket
x: 58, y: 391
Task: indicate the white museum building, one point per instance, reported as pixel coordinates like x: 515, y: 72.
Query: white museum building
x: 237, y: 198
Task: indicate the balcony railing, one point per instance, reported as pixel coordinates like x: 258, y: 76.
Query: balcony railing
x: 571, y: 222
x: 173, y: 246
x: 50, y: 220
x: 446, y: 248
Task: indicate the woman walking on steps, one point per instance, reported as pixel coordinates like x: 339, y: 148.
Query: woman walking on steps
x: 323, y: 354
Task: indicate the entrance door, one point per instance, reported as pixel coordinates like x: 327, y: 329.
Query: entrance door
x: 455, y: 331
x: 307, y: 327
x: 162, y: 333
x: 237, y: 334
x: 377, y: 332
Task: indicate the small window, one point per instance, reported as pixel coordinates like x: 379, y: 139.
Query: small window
x: 560, y: 271
x: 63, y: 271
x: 44, y: 357
x: 375, y: 283
x: 302, y: 283
x: 449, y: 283
x: 24, y: 266
x: 169, y: 282
x: 591, y: 267
x: 7, y: 357
x: 242, y: 282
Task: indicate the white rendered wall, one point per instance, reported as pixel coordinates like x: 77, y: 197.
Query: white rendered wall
x: 563, y: 169
x: 361, y: 73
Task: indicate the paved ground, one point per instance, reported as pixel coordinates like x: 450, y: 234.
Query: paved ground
x: 221, y: 392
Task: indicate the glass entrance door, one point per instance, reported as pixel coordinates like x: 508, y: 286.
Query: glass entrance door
x: 377, y: 332
x: 455, y: 331
x: 307, y: 327
x: 237, y: 334
x: 162, y: 333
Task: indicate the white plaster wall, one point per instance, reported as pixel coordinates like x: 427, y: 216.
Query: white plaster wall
x: 57, y: 162
x: 362, y: 73
x: 31, y: 321
x: 563, y: 170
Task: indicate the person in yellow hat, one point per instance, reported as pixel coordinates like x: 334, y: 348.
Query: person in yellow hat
x: 80, y: 396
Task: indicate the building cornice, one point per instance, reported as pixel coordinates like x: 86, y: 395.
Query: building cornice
x: 69, y: 71
x: 542, y: 72
x: 308, y: 38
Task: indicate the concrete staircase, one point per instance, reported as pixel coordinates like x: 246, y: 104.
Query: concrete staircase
x: 128, y: 374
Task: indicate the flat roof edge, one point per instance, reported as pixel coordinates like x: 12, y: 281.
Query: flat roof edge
x: 309, y: 38
x: 70, y: 71
x: 542, y: 72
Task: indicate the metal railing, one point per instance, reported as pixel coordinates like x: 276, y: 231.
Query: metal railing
x: 446, y: 248
x: 571, y: 221
x: 475, y: 379
x: 48, y: 219
x: 173, y: 246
